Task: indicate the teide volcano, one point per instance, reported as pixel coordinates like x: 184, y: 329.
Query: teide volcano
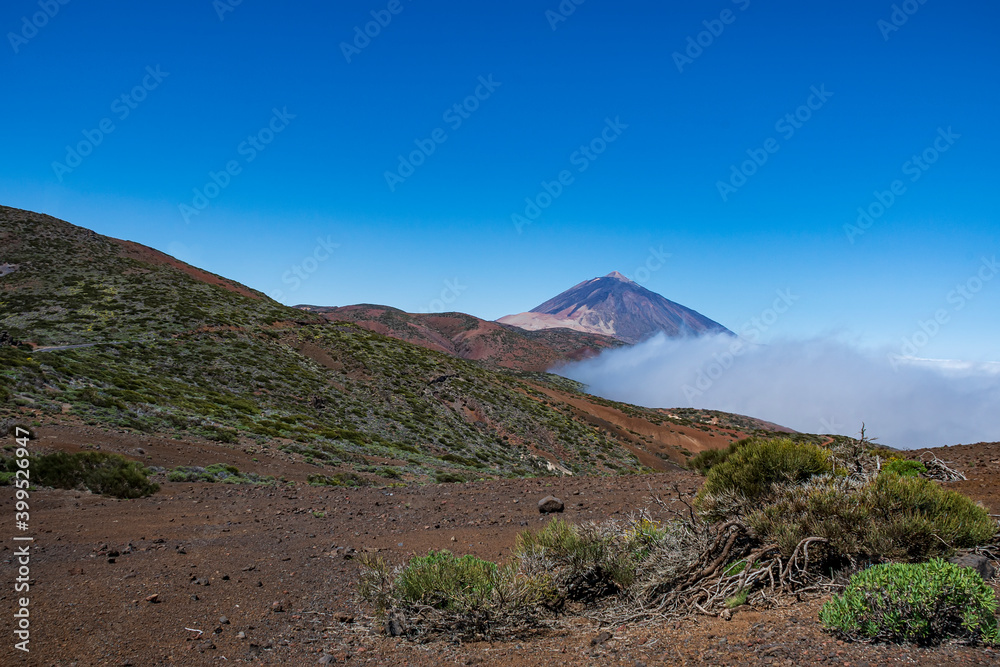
x: 615, y: 306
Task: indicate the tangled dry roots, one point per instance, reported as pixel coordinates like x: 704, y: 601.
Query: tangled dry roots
x: 701, y: 566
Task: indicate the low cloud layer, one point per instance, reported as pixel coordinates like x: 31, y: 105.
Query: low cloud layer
x: 816, y: 386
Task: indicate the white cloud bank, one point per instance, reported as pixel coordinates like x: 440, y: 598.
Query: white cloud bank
x: 815, y: 386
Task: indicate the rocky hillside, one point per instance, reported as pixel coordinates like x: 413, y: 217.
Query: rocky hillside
x: 119, y: 335
x: 469, y: 337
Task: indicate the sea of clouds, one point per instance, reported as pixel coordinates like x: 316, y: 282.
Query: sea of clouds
x: 813, y: 386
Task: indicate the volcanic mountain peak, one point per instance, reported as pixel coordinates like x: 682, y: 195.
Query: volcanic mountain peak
x: 619, y: 276
x: 615, y: 306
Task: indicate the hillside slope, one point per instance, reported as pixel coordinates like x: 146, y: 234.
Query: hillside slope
x: 469, y: 337
x: 173, y: 350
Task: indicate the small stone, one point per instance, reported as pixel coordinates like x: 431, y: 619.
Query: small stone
x: 277, y: 606
x: 326, y: 659
x: 550, y: 504
x: 241, y: 635
x: 154, y: 598
x: 344, y: 617
x: 223, y: 620
x: 601, y: 638
x: 980, y: 564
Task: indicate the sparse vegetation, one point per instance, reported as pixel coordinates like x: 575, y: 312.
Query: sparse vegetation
x: 217, y: 472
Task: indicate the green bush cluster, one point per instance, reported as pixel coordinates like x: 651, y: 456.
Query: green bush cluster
x: 891, y: 517
x: 753, y: 468
x: 470, y: 597
x: 903, y: 468
x: 588, y: 562
x: 98, y: 472
x: 217, y: 472
x: 924, y: 603
x: 339, y: 479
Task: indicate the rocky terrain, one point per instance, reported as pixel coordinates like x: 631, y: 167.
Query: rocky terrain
x: 471, y: 338
x: 220, y: 573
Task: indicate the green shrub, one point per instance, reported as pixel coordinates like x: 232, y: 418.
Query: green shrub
x: 754, y: 468
x: 891, y: 517
x: 217, y: 472
x: 349, y: 479
x: 442, y: 477
x: 445, y: 581
x: 457, y: 596
x: 903, y: 468
x: 706, y: 460
x: 107, y: 474
x: 924, y: 603
x: 588, y: 562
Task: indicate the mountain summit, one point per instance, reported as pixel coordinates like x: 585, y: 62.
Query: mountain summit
x: 615, y: 306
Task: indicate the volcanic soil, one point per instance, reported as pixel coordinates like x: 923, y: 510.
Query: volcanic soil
x: 220, y: 574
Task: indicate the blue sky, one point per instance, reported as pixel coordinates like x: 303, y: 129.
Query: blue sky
x: 642, y: 138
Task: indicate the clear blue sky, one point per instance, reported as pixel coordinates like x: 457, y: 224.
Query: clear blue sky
x: 886, y: 95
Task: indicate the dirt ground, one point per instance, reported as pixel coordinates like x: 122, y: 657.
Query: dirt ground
x: 217, y: 574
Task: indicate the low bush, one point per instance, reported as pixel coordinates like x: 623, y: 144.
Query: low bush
x: 217, y: 472
x: 349, y: 479
x: 587, y: 562
x: 888, y: 518
x: 926, y: 603
x: 461, y: 597
x: 903, y: 468
x: 755, y: 467
x: 98, y: 472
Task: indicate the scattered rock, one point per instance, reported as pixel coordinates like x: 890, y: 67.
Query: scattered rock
x: 241, y: 635
x: 223, y: 620
x: 601, y: 638
x: 395, y: 626
x: 154, y: 598
x: 980, y: 564
x: 344, y: 617
x: 550, y: 504
x: 277, y: 606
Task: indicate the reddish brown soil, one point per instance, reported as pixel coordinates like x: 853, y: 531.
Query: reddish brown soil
x: 149, y: 255
x: 208, y: 551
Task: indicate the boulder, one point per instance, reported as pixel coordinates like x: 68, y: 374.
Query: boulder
x: 550, y: 504
x: 980, y: 564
